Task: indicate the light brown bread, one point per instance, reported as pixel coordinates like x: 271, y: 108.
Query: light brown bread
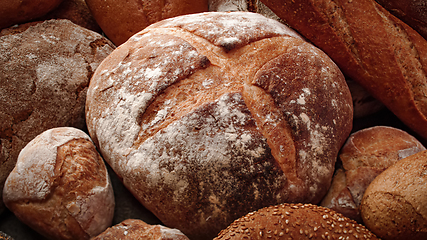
x: 207, y: 117
x: 394, y: 205
x: 120, y: 20
x: 295, y: 221
x: 366, y: 153
x: 371, y: 46
x: 137, y: 229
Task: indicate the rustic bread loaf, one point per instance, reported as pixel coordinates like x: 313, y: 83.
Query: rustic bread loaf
x: 207, y: 117
x: 366, y: 154
x: 137, y: 229
x: 412, y: 12
x: 60, y: 186
x: 394, y: 205
x: 371, y: 46
x: 120, y: 20
x: 295, y: 221
x: 44, y: 75
x: 14, y: 12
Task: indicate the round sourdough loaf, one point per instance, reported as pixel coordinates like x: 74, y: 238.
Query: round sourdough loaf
x: 137, y: 229
x: 209, y: 116
x: 366, y: 153
x: 60, y: 186
x: 44, y: 75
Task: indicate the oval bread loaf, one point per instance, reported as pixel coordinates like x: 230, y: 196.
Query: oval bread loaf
x: 209, y: 116
x: 394, y: 205
x: 60, y: 186
x: 295, y: 221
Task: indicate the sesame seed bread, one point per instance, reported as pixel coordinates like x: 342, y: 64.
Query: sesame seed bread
x: 371, y: 46
x: 206, y: 117
x: 295, y: 221
x: 131, y: 229
x: 60, y: 186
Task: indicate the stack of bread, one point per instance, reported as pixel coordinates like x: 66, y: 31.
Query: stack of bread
x: 214, y: 119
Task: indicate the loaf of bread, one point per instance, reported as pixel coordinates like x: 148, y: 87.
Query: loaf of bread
x: 14, y: 12
x: 412, y: 12
x: 137, y: 229
x: 371, y: 46
x: 46, y: 68
x: 394, y: 205
x: 120, y: 20
x: 209, y: 116
x: 295, y: 221
x: 60, y: 186
x: 366, y: 154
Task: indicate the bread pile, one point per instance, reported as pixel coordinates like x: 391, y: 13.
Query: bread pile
x: 215, y: 119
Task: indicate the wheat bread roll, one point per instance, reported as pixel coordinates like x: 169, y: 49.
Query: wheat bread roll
x: 15, y: 12
x: 295, y: 221
x: 366, y: 154
x: 394, y: 204
x: 60, y: 186
x: 120, y: 20
x: 44, y: 75
x: 138, y: 229
x: 219, y: 114
x: 371, y: 46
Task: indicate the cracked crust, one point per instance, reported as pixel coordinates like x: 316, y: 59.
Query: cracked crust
x: 206, y: 117
x: 44, y: 79
x: 393, y: 206
x: 371, y: 46
x: 60, y: 186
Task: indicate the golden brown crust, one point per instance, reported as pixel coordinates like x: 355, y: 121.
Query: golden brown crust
x: 366, y: 154
x: 60, y: 186
x: 295, y: 221
x: 244, y: 115
x: 138, y: 229
x: 15, y: 12
x: 120, y: 21
x: 371, y: 46
x: 394, y: 204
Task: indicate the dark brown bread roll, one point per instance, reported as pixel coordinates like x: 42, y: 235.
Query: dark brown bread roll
x: 137, y: 229
x: 60, y: 186
x: 44, y: 75
x: 14, y: 12
x: 371, y: 46
x: 394, y: 205
x: 207, y: 117
x: 412, y: 12
x: 366, y: 154
x: 121, y: 19
x: 295, y: 221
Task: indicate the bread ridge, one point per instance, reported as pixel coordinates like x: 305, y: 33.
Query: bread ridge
x: 372, y: 60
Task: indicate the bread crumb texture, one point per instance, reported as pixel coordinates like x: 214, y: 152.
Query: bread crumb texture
x: 209, y: 116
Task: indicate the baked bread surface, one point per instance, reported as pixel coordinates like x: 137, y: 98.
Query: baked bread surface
x: 207, y: 117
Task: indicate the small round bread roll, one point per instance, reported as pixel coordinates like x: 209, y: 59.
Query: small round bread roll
x: 295, y: 221
x: 207, y: 117
x: 131, y: 229
x: 366, y: 154
x: 394, y: 205
x: 14, y: 12
x: 120, y: 20
x: 45, y: 73
x: 60, y: 186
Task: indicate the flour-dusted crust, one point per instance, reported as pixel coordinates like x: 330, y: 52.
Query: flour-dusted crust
x: 60, y: 186
x: 206, y: 117
x: 138, y: 229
